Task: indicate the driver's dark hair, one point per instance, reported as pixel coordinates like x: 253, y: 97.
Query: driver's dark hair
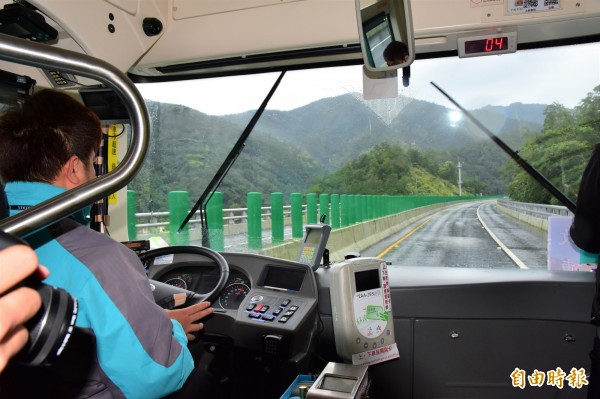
x: 39, y: 136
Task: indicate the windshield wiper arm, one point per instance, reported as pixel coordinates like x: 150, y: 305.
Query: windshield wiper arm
x: 227, y: 164
x: 520, y: 161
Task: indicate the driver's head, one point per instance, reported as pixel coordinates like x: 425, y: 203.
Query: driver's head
x: 49, y: 138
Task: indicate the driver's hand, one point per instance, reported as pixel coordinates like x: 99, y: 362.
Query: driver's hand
x: 189, y: 316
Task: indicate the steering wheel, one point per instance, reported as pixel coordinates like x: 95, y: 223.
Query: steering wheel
x: 164, y: 294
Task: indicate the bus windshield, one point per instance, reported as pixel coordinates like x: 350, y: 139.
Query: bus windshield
x: 349, y: 160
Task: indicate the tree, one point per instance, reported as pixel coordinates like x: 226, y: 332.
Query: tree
x: 560, y: 153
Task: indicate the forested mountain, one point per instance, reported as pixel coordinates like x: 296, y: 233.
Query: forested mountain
x: 187, y: 148
x: 560, y: 152
x: 390, y: 170
x: 290, y: 151
x: 335, y: 130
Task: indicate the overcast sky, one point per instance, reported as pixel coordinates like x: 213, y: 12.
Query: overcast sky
x: 525, y: 77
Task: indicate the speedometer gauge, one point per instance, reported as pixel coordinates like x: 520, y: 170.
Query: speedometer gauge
x: 177, y: 282
x: 233, y: 295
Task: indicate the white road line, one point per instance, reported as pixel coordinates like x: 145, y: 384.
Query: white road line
x: 510, y: 254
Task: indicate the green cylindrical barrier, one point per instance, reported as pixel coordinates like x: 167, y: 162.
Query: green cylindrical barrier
x: 324, y: 208
x: 396, y: 203
x: 345, y: 205
x: 335, y: 211
x: 311, y: 208
x: 178, y: 210
x: 360, y: 217
x: 277, y: 218
x: 254, y: 203
x: 131, y: 219
x: 370, y: 210
x: 352, y: 210
x: 297, y: 223
x: 214, y: 216
x: 388, y: 205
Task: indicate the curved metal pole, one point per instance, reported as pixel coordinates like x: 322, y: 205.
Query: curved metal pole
x: 39, y: 55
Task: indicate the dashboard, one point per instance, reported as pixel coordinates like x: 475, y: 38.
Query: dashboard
x: 267, y: 304
x: 204, y: 279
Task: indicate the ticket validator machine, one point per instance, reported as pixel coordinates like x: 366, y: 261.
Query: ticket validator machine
x: 361, y: 306
x: 363, y: 326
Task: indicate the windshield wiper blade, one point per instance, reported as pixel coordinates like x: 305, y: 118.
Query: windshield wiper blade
x: 516, y: 157
x: 227, y: 164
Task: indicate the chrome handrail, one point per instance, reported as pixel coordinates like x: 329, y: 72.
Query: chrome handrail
x: 44, y: 56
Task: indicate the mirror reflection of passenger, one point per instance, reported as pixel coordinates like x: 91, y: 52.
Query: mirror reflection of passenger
x: 48, y: 147
x: 395, y: 53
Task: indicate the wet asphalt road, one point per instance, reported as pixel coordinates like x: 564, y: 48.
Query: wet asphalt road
x: 456, y: 237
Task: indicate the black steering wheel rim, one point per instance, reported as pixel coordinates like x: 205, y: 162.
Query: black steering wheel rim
x: 206, y: 252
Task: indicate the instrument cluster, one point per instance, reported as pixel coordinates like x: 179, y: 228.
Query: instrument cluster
x: 203, y: 280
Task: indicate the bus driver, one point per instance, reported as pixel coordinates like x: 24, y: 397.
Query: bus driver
x: 48, y: 146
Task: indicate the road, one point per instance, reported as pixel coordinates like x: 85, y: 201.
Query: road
x: 467, y: 235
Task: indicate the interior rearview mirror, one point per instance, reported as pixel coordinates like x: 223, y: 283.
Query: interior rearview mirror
x: 386, y: 34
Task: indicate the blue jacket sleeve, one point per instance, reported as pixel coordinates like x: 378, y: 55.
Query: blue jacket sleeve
x: 141, y: 350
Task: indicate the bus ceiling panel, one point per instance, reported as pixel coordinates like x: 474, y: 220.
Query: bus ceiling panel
x: 546, y: 34
x: 263, y: 62
x: 286, y: 27
x: 183, y: 9
x: 196, y: 32
x: 112, y: 30
x: 439, y: 18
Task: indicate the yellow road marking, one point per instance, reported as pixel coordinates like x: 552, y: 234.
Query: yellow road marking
x: 404, y: 237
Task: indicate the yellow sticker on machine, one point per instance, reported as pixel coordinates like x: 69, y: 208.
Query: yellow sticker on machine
x: 113, y: 152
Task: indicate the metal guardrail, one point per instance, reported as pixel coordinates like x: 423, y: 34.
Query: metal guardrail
x: 240, y: 215
x: 234, y: 216
x: 540, y: 211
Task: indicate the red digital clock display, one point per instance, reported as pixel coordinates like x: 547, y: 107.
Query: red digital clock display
x: 489, y: 45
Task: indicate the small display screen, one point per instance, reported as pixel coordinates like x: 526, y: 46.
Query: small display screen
x: 313, y: 236
x: 288, y: 279
x: 338, y: 384
x: 489, y: 45
x: 14, y: 89
x: 367, y: 280
x: 105, y: 103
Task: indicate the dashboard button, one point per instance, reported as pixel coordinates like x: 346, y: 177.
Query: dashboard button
x: 264, y: 309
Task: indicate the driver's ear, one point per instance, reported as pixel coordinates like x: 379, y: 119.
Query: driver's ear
x: 72, y: 173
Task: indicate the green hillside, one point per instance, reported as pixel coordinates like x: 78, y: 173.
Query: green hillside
x: 391, y: 170
x: 331, y: 146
